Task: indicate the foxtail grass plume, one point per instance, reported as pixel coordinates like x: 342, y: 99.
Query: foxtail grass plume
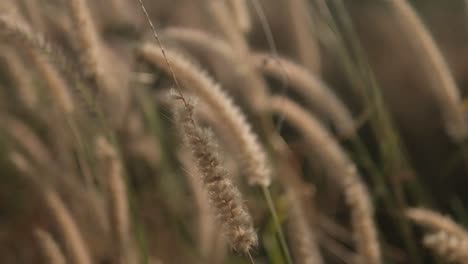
x: 51, y: 250
x: 57, y: 85
x: 88, y: 41
x: 443, y: 85
x: 17, y: 31
x: 251, y: 85
x: 26, y: 89
x: 446, y: 238
x: 316, y: 93
x: 27, y: 139
x: 306, y: 40
x: 118, y: 198
x: 225, y: 22
x: 450, y: 247
x: 75, y: 245
x: 257, y: 92
x: 241, y: 14
x: 207, y: 228
x: 251, y: 152
x: 196, y: 39
x: 342, y: 170
x: 31, y: 8
x: 434, y: 221
x: 224, y: 196
x: 304, y: 238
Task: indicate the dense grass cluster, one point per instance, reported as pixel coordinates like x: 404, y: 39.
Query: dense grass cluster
x: 225, y: 131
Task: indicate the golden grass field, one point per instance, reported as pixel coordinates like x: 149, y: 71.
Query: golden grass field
x: 233, y: 131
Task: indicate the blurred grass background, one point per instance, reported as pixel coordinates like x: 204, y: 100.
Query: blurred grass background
x: 403, y: 132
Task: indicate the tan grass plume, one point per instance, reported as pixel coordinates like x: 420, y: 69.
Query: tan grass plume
x: 118, y: 198
x: 446, y: 238
x: 434, y: 221
x: 51, y: 250
x: 200, y: 40
x: 224, y: 196
x: 33, y: 13
x: 225, y: 21
x: 313, y: 90
x: 251, y: 152
x: 449, y: 246
x: 75, y: 245
x: 306, y: 42
x: 58, y: 87
x: 257, y: 92
x: 304, y: 239
x: 16, y: 31
x: 21, y: 77
x: 240, y: 10
x: 443, y: 85
x: 27, y: 139
x: 250, y: 84
x: 88, y: 41
x: 206, y: 222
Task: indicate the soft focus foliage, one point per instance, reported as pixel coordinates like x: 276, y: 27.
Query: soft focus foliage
x: 233, y: 131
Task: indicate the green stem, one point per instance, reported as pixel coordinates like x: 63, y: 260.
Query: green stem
x: 369, y: 165
x: 281, y: 237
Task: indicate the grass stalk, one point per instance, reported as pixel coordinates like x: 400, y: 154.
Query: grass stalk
x: 277, y: 223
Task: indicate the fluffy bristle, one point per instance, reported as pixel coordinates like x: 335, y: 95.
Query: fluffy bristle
x: 223, y: 194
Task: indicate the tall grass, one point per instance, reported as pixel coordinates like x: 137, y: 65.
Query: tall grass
x: 291, y: 153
